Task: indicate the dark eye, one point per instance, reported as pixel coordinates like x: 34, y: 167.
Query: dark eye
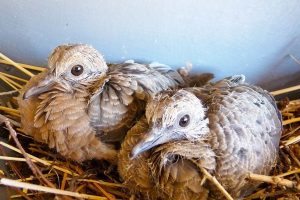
x: 77, y: 70
x: 184, y: 121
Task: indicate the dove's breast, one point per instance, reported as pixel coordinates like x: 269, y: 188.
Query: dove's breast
x: 136, y: 172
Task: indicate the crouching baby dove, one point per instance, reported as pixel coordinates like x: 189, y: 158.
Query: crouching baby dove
x: 80, y: 98
x: 228, y: 128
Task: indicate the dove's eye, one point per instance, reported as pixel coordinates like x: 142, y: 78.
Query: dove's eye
x: 77, y: 70
x: 184, y: 121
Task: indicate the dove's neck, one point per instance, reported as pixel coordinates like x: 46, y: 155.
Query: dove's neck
x: 64, y: 88
x: 184, y: 157
x: 87, y: 90
x: 58, y: 98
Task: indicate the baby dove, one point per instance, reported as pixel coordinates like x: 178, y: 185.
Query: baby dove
x: 229, y: 128
x: 81, y: 99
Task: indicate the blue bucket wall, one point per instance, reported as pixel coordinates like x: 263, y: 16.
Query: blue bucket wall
x: 224, y: 37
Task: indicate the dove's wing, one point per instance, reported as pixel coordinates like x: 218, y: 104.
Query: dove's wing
x: 245, y: 128
x: 121, y: 101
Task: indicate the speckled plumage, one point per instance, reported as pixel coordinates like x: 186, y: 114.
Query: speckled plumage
x: 234, y: 128
x: 70, y: 112
x: 123, y: 97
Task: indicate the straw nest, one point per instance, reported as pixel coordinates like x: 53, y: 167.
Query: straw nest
x: 32, y: 171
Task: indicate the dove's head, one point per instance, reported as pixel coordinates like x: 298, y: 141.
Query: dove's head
x: 171, y: 116
x: 71, y: 67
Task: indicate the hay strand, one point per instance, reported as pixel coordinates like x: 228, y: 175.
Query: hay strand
x: 3, y: 78
x: 290, y: 121
x: 16, y: 65
x: 31, y: 67
x: 286, y: 90
x: 12, y: 82
x: 275, y: 180
x: 14, y: 77
x: 216, y: 182
x: 13, y: 158
x: 29, y: 186
x: 12, y: 92
x: 44, y: 162
x: 31, y: 165
x: 9, y: 110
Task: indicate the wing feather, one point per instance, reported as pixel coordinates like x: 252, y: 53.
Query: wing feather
x: 129, y: 83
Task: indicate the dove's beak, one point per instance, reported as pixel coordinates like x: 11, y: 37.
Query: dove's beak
x: 148, y: 141
x: 43, y: 86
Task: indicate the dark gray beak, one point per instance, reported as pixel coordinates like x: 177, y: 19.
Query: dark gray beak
x: 148, y: 141
x: 43, y: 86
